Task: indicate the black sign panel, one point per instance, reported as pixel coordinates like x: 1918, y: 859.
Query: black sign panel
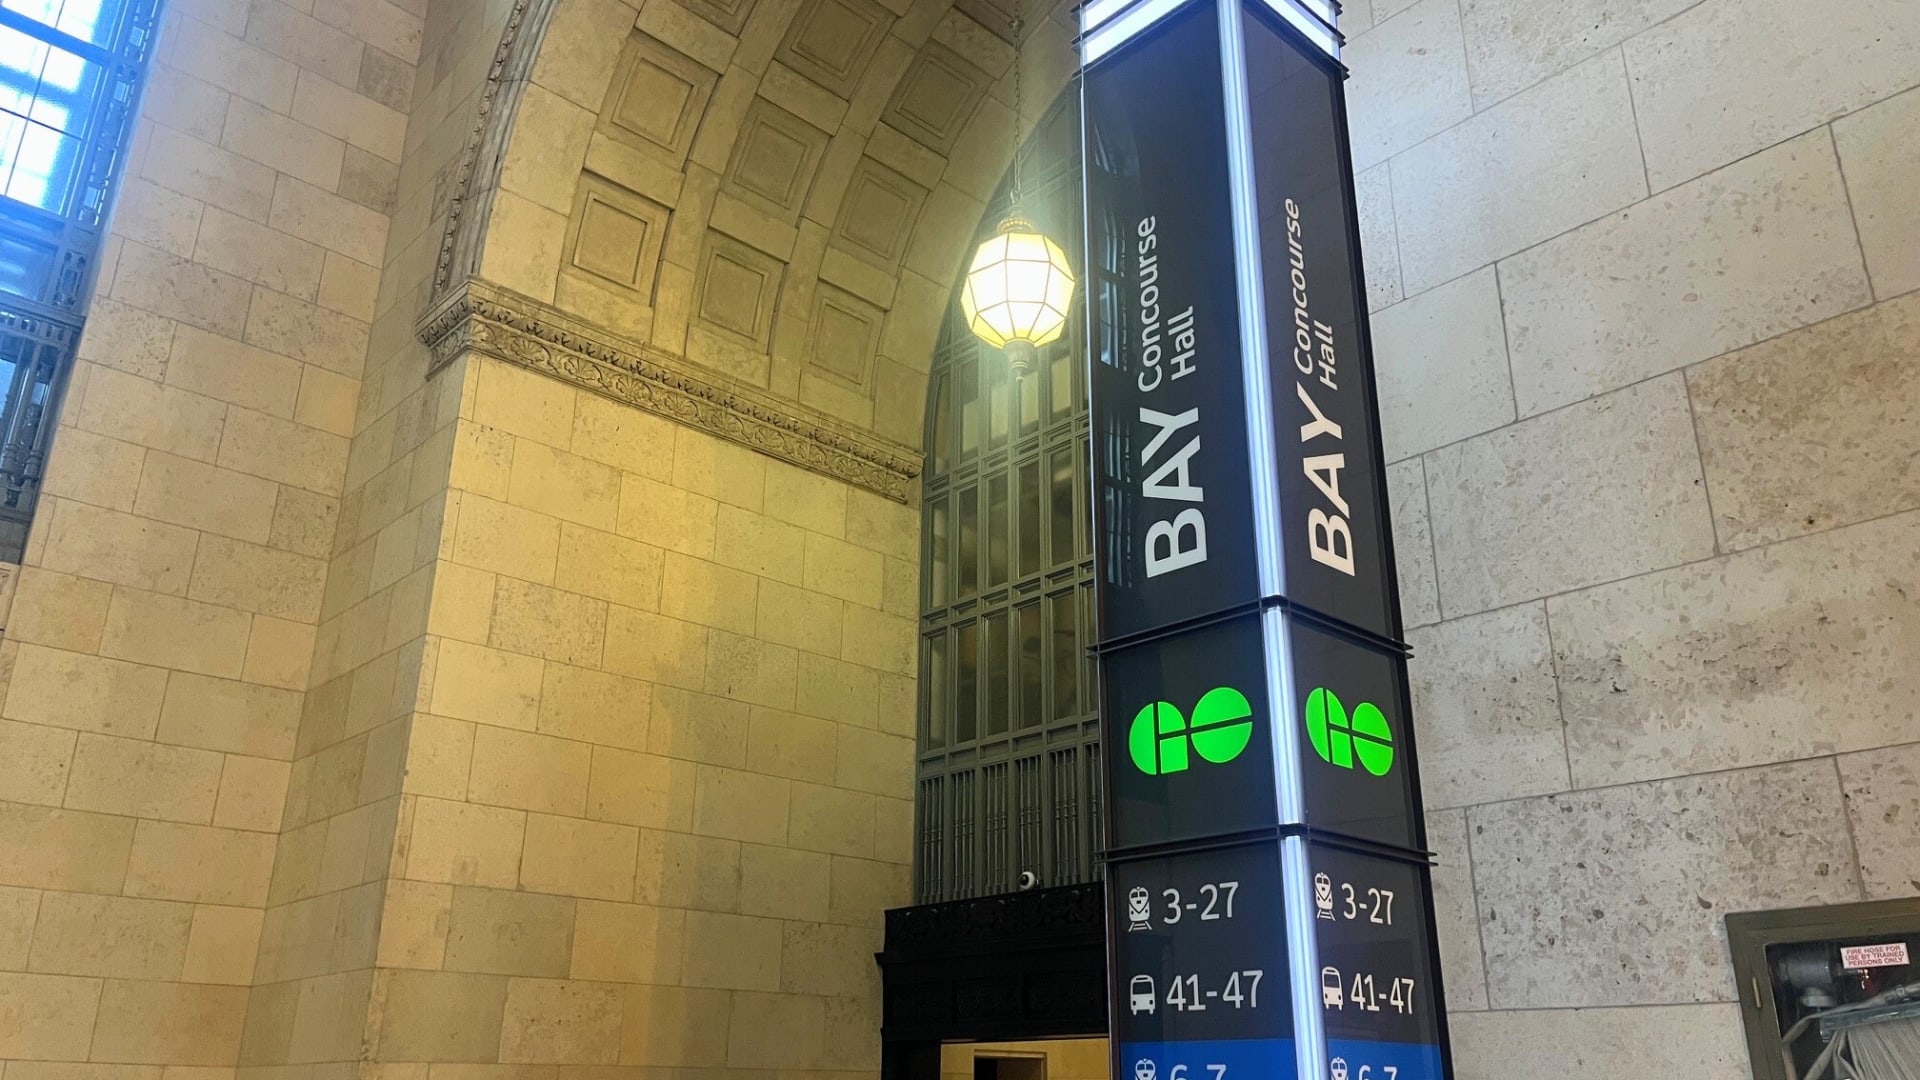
x: 1200, y: 947
x: 1351, y: 721
x: 1332, y: 511
x: 1378, y: 990
x: 1189, y: 726
x: 1169, y: 419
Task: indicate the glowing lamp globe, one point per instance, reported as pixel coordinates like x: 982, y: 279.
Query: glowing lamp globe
x: 1017, y: 292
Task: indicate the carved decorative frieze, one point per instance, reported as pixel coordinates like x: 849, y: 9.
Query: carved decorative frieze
x: 484, y: 318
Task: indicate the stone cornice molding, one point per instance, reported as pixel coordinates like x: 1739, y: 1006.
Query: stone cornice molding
x: 481, y: 317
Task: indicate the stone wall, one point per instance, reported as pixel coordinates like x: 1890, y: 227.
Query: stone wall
x: 175, y: 580
x: 1645, y: 314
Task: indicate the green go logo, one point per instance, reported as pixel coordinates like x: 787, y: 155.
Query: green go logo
x: 1340, y: 740
x: 1162, y: 741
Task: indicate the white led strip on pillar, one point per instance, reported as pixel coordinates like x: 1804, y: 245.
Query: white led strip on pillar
x: 1105, y: 25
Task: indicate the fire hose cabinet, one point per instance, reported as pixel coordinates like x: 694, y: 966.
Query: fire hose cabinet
x: 1830, y: 993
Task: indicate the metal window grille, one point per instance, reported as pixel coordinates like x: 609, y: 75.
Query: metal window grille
x: 70, y: 75
x: 1007, y: 735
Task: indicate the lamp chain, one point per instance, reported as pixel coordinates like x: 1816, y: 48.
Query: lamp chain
x: 1018, y: 200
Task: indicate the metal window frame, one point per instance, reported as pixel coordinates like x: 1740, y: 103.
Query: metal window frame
x: 970, y: 837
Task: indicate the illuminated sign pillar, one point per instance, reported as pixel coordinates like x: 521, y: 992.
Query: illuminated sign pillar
x: 1270, y: 911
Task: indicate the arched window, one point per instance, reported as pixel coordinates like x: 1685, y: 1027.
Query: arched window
x: 1009, y: 770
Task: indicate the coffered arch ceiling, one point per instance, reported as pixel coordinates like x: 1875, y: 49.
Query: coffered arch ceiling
x: 772, y: 193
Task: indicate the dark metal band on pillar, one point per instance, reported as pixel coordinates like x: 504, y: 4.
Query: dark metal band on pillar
x: 1268, y: 886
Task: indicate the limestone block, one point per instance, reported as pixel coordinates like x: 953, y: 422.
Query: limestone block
x: 759, y: 545
x: 680, y: 870
x: 1571, y: 136
x: 595, y: 707
x: 278, y: 653
x: 47, y: 1016
x: 843, y: 570
x: 235, y: 717
x: 1879, y: 161
x: 1484, y: 681
x: 836, y: 690
x: 610, y: 567
x: 732, y: 952
x: 87, y: 693
x: 582, y: 43
x: 640, y: 789
x: 790, y: 745
x: 303, y: 521
x: 873, y: 761
x: 832, y: 820
x: 110, y: 936
x: 564, y: 485
x: 132, y: 409
x: 1615, y: 897
x: 1379, y: 244
x: 538, y: 621
x: 1813, y: 429
x: 509, y: 933
x: 283, y: 450
x: 264, y: 256
x: 806, y: 499
x: 198, y: 169
x: 1413, y: 542
x: 698, y: 727
x: 782, y: 883
x: 126, y: 339
x: 151, y: 215
x: 227, y: 370
x: 1721, y: 81
x: 675, y: 1026
x: 1409, y: 81
x: 206, y: 497
x: 836, y: 961
x: 198, y: 863
x: 1788, y: 651
x: 1512, y: 44
x: 194, y: 294
x: 313, y: 335
x: 318, y: 215
x: 436, y: 1016
x: 58, y: 610
x: 666, y: 517
x: 1440, y: 365
x: 701, y: 592
x: 737, y: 805
x: 718, y: 469
x: 362, y: 122
x: 630, y: 943
x: 1760, y: 247
x: 877, y: 640
x: 773, y: 1031
x: 166, y: 631
x: 547, y: 1020
x: 116, y: 547
x: 750, y: 670
x: 222, y: 945
x: 414, y: 924
x: 529, y: 772
x: 143, y: 780
x: 864, y: 889
x: 327, y: 399
x: 655, y: 648
x: 524, y: 247
x: 893, y: 839
x: 34, y: 762
x: 19, y: 908
x: 1883, y: 801
x: 1702, y: 1041
x: 574, y: 857
x: 623, y: 436
x: 463, y: 844
x: 1592, y: 493
x: 1456, y: 917
x: 249, y: 577
x: 506, y: 539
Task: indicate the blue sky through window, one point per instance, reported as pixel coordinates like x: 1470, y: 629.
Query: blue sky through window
x: 46, y: 97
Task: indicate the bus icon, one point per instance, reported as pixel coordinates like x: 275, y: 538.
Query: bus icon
x: 1330, y: 993
x: 1140, y: 997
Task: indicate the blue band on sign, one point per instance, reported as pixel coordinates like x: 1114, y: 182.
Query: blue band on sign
x: 1352, y: 1059
x: 1216, y: 1059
